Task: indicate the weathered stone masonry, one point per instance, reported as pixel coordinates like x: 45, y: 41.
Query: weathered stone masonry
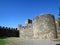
x: 43, y: 27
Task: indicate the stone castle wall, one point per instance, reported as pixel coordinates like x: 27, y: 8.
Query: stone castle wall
x: 26, y: 32
x: 43, y: 27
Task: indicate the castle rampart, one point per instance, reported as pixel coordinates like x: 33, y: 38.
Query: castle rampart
x: 43, y: 27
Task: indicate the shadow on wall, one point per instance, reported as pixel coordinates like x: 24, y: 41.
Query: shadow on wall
x: 57, y: 44
x: 8, y: 32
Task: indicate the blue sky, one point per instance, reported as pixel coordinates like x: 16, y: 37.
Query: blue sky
x: 14, y: 12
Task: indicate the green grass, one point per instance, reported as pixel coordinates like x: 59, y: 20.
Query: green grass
x: 2, y: 42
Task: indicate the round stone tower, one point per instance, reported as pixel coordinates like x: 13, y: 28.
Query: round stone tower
x: 44, y: 27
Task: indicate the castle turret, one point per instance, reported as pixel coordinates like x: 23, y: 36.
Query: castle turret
x: 28, y: 22
x: 44, y: 27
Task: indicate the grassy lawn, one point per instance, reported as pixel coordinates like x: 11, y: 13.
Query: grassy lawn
x: 2, y: 42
